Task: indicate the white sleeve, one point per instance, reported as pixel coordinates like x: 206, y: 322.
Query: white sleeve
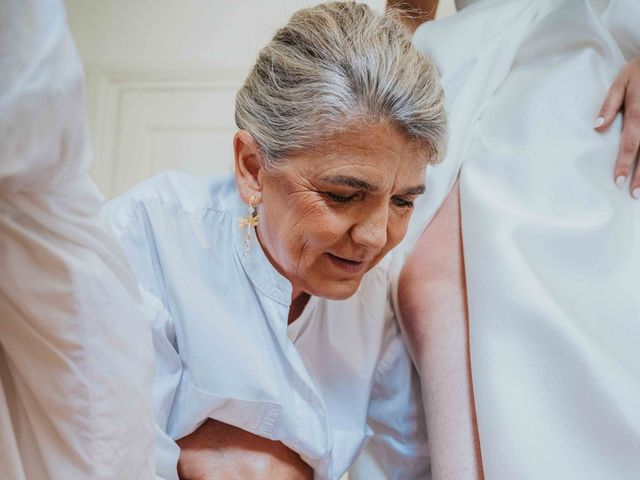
x: 43, y: 132
x: 75, y: 348
x: 398, y: 448
x: 166, y: 379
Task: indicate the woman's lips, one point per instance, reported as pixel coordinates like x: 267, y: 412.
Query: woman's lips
x: 347, y: 265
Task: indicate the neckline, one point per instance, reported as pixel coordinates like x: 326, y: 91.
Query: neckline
x: 300, y: 325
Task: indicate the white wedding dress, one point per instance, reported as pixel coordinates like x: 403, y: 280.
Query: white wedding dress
x: 551, y: 245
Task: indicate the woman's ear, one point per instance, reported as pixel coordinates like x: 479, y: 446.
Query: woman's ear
x: 247, y: 155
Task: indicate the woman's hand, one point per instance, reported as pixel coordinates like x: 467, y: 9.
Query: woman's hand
x: 222, y: 452
x: 624, y: 94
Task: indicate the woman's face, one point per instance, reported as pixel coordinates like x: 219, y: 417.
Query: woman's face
x: 330, y: 215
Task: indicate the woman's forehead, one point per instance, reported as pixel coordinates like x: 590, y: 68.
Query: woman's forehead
x: 364, y: 142
x: 374, y: 161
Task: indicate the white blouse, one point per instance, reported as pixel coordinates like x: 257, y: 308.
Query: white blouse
x: 335, y: 379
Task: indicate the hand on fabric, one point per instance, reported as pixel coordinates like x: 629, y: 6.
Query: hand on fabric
x: 624, y: 95
x: 223, y: 452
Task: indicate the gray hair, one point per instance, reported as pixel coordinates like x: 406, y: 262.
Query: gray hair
x: 334, y: 65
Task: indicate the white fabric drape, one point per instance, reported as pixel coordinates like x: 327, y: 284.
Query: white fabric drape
x: 552, y: 246
x: 75, y: 351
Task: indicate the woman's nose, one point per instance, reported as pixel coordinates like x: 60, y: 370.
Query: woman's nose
x: 371, y: 231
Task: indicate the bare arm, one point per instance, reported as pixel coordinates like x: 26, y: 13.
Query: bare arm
x: 416, y: 11
x: 222, y: 452
x: 432, y: 301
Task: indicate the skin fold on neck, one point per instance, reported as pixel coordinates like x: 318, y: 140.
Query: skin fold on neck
x: 297, y: 306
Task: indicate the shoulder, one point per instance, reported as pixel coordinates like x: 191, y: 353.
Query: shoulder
x: 169, y: 193
x: 172, y: 224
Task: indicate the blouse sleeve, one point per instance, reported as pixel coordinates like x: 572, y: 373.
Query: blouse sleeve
x: 399, y: 446
x: 130, y: 220
x: 167, y: 377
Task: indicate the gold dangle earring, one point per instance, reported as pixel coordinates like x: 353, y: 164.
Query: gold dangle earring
x: 250, y: 221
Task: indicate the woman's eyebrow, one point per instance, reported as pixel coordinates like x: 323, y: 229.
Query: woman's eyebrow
x: 360, y: 184
x: 417, y: 190
x: 352, y: 182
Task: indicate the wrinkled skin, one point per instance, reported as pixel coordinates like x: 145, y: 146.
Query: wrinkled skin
x: 328, y: 215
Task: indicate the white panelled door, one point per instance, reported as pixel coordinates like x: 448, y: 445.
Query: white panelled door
x: 155, y: 120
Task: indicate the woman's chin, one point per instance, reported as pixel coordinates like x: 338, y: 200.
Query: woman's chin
x: 337, y: 290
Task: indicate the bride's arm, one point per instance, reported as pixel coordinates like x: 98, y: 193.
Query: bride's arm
x: 432, y: 302
x: 417, y: 11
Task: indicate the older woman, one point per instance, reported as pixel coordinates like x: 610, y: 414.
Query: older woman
x: 249, y: 280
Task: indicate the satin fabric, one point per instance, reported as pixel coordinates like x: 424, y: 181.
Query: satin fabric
x: 335, y: 380
x: 551, y: 245
x: 75, y: 351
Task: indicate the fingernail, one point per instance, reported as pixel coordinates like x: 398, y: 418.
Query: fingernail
x: 598, y: 122
x: 636, y: 193
x: 620, y: 180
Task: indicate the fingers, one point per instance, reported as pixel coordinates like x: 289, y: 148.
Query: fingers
x: 624, y: 94
x: 612, y: 104
x: 629, y: 142
x: 626, y: 165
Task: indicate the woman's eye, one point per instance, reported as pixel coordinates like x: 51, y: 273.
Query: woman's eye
x: 340, y: 198
x: 402, y: 203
